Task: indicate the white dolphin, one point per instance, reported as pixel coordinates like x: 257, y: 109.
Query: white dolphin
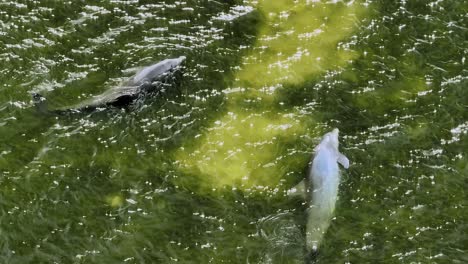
x: 320, y: 188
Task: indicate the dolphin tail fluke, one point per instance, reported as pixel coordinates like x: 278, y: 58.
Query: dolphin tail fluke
x: 40, y: 102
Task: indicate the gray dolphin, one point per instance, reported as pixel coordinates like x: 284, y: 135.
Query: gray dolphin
x: 147, y: 81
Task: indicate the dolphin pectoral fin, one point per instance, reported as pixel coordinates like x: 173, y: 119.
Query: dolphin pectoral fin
x: 343, y: 160
x: 298, y: 190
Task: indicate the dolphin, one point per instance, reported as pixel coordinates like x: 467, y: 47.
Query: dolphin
x: 320, y: 188
x: 147, y: 81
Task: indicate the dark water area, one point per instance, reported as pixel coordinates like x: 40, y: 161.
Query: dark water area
x: 201, y: 172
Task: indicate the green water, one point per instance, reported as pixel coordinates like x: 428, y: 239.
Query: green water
x: 200, y: 173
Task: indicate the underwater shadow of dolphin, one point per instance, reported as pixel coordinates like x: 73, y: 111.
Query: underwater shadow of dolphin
x: 148, y: 81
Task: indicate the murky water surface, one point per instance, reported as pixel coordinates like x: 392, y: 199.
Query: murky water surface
x: 200, y: 173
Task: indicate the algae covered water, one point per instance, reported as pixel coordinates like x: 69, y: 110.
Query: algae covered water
x: 200, y: 172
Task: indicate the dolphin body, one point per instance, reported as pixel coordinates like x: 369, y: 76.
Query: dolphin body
x: 320, y: 188
x: 147, y: 81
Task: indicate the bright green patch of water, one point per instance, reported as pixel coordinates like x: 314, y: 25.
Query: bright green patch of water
x: 297, y: 40
x: 244, y: 149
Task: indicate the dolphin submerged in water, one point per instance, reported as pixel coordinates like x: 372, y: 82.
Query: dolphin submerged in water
x: 147, y: 81
x: 320, y: 188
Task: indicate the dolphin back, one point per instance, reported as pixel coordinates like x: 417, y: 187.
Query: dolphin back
x: 140, y: 85
x: 155, y: 71
x: 324, y: 176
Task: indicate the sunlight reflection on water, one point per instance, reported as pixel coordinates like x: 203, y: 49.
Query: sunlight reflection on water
x: 201, y: 173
